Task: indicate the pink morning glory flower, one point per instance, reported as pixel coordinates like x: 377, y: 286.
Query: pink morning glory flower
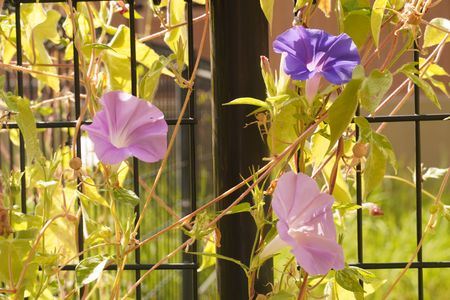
x: 127, y: 126
x: 311, y: 52
x: 306, y: 224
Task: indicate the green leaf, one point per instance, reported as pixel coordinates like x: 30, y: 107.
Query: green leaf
x: 178, y: 35
x: 121, y: 44
x: 352, y: 5
x: 97, y: 46
x: 27, y: 125
x: 342, y: 111
x: 424, y: 86
x: 433, y: 35
x: 349, y: 280
x: 249, y: 101
x: 241, y: 207
x: 123, y: 195
x: 117, y: 68
x: 208, y: 261
x: 376, y: 19
x: 8, y: 38
x: 365, y: 131
x: 325, y: 7
x: 373, y: 89
x: 385, y: 146
x: 39, y: 27
x: 375, y: 169
x: 357, y: 26
x: 149, y: 82
x: 283, y: 130
x: 90, y: 193
x: 267, y: 8
x: 90, y: 269
x: 432, y: 69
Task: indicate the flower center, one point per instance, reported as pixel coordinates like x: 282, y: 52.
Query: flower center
x: 316, y: 63
x: 119, y: 139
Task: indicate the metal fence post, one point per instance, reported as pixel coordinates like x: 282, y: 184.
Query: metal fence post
x: 239, y: 34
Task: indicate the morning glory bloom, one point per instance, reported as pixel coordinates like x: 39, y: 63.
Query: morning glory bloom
x: 127, y: 126
x: 311, y: 52
x: 306, y: 224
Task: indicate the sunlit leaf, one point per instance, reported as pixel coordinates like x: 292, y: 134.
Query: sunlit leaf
x: 27, y: 125
x: 373, y: 89
x: 426, y: 88
x: 121, y: 44
x: 375, y: 168
x: 249, y: 101
x: 90, y: 192
x: 267, y: 8
x: 433, y: 35
x: 325, y: 7
x: 39, y: 27
x: 342, y: 111
x: 357, y: 26
x: 177, y: 16
x: 90, y: 269
x: 377, y: 18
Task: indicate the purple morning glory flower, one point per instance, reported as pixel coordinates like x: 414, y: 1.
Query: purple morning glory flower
x: 128, y: 126
x: 306, y: 224
x: 311, y: 52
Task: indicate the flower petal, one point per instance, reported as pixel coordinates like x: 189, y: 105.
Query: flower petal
x: 294, y: 193
x: 316, y: 254
x: 342, y: 58
x: 128, y: 126
x: 311, y: 51
x: 273, y: 247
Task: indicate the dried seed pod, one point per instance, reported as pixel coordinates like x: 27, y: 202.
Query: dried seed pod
x: 75, y: 163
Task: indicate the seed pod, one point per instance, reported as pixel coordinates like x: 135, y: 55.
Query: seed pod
x: 360, y: 150
x: 75, y: 163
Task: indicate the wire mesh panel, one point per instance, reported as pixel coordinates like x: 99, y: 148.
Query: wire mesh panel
x: 56, y: 131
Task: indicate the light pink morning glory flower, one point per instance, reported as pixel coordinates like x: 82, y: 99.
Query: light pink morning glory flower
x: 306, y: 224
x: 127, y: 126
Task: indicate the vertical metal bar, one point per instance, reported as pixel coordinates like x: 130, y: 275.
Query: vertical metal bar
x: 359, y: 196
x: 192, y: 148
x: 23, y: 184
x: 137, y: 253
x: 239, y: 37
x: 418, y: 177
x: 77, y: 93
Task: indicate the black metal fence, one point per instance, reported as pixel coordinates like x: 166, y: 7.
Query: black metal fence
x: 188, y: 266
x: 183, y: 163
x: 417, y: 118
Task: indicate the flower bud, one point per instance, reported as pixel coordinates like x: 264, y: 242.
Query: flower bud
x: 373, y: 208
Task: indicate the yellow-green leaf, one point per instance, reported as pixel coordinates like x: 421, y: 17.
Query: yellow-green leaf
x: 342, y: 111
x: 40, y: 26
x: 325, y: 7
x: 249, y: 101
x: 27, y: 125
x: 177, y: 16
x: 267, y: 8
x: 375, y: 169
x: 376, y: 19
x: 433, y: 35
x: 121, y: 44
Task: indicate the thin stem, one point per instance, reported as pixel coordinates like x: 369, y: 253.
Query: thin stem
x: 303, y: 288
x: 430, y: 225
